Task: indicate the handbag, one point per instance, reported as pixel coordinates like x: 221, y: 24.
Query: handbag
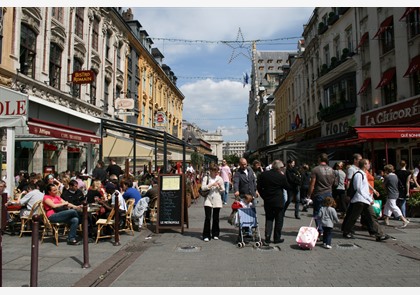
x: 377, y: 208
x: 202, y: 193
x: 60, y: 209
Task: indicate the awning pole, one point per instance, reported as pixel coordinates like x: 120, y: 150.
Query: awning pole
x: 156, y: 156
x: 165, y: 156
x: 184, y: 166
x: 101, y: 128
x: 134, y: 153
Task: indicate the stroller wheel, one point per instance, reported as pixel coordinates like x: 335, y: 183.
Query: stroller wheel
x: 258, y: 244
x: 241, y: 245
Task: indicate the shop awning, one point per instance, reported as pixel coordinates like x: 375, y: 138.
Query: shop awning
x: 340, y: 143
x: 413, y: 67
x: 407, y: 11
x: 384, y: 26
x: 364, y: 87
x: 50, y: 129
x: 379, y: 132
x: 363, y: 39
x: 386, y: 78
x: 118, y: 147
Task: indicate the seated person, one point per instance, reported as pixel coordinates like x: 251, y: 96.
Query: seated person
x: 129, y: 192
x: 58, y: 210
x: 73, y: 194
x: 95, y: 191
x: 30, y: 198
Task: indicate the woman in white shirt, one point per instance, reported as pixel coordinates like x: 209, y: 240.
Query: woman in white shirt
x: 212, y: 203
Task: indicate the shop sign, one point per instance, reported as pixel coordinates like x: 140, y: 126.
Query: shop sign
x: 160, y: 118
x: 83, y: 77
x: 12, y: 104
x: 405, y: 111
x: 337, y: 127
x: 124, y: 103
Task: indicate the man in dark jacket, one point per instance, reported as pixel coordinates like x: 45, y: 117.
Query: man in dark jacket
x: 114, y: 169
x: 294, y: 179
x: 244, y: 181
x: 271, y: 185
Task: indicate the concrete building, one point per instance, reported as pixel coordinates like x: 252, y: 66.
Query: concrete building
x: 234, y: 148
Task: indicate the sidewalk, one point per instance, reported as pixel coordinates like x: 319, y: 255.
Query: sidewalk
x: 172, y: 259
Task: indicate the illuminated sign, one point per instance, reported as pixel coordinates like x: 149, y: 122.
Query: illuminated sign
x: 82, y: 77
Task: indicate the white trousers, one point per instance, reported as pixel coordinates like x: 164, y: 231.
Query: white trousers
x: 392, y: 208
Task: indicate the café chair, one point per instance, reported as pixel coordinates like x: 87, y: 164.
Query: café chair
x: 128, y: 222
x: 26, y: 226
x: 50, y: 227
x: 102, y: 222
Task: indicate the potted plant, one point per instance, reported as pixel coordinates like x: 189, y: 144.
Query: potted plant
x: 345, y: 54
x: 413, y: 203
x: 334, y: 62
x: 332, y: 18
x: 322, y: 28
x: 324, y: 69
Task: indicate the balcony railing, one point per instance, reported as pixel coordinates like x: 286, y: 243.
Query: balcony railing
x: 336, y: 110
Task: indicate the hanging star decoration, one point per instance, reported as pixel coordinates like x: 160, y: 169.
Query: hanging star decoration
x: 239, y: 47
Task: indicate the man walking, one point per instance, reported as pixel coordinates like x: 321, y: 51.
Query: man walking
x: 294, y: 179
x: 244, y: 181
x: 271, y: 185
x: 226, y: 175
x: 322, y: 180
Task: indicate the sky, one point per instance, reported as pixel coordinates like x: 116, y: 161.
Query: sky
x: 210, y: 72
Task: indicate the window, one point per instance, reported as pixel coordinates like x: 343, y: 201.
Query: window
x: 27, y: 51
x: 117, y: 92
x: 149, y: 124
x: 95, y: 34
x: 416, y: 82
x: 390, y: 91
x: 57, y: 13
x: 130, y: 61
x: 108, y: 45
x: 387, y: 39
x: 337, y: 47
x: 279, y: 61
x: 349, y: 38
x: 270, y: 61
x: 327, y: 54
x: 77, y: 66
x: 78, y: 30
x: 271, y: 68
x: 260, y: 61
x: 341, y: 90
x: 55, y: 65
x: 93, y: 92
x: 119, y: 57
x: 151, y: 86
x: 106, y: 96
x: 143, y: 115
x: 144, y: 80
x: 414, y: 23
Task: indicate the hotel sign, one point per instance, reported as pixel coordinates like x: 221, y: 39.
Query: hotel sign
x: 83, y: 77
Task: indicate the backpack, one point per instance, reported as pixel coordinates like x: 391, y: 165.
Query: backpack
x: 351, y: 191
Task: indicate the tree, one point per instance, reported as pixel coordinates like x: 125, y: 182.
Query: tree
x: 231, y: 159
x: 197, y: 160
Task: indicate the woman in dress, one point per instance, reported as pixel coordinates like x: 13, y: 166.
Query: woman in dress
x: 213, y: 183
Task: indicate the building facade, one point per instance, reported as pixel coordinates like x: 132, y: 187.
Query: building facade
x: 46, y: 51
x: 237, y: 148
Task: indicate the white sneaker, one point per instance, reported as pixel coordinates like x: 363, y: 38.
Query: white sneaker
x: 206, y: 240
x: 328, y: 246
x: 405, y: 224
x: 215, y: 238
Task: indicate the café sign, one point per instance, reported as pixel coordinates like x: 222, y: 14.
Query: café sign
x: 12, y: 103
x: 83, y: 77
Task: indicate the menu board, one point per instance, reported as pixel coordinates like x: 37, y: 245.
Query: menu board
x: 170, y: 201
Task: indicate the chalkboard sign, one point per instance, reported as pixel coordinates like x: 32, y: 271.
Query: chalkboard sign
x: 170, y: 202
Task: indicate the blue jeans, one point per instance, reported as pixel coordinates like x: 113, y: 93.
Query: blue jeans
x: 225, y: 194
x: 70, y: 217
x: 318, y: 200
x: 326, y: 238
x: 402, y: 204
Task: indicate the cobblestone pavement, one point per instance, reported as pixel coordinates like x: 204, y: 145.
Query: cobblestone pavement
x: 173, y: 259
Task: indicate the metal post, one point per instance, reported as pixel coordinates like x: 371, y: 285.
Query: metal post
x: 116, y: 220
x: 3, y: 212
x: 85, y: 237
x: 134, y: 153
x: 184, y: 166
x: 165, y: 156
x: 34, y: 251
x: 101, y: 130
x: 156, y: 156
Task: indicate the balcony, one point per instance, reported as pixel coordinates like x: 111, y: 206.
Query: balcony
x: 322, y: 28
x: 336, y: 110
x: 332, y: 18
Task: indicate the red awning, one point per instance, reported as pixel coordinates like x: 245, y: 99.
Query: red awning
x: 364, y: 87
x: 386, y: 78
x: 340, y: 143
x: 363, y: 39
x: 384, y: 25
x: 407, y: 11
x: 49, y: 129
x: 378, y: 132
x: 413, y: 67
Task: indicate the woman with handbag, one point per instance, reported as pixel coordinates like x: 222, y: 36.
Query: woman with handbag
x: 58, y: 210
x: 212, y: 184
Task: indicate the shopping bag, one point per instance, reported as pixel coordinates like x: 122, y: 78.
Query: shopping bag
x: 377, y: 208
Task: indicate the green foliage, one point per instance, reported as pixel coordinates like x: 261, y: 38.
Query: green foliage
x: 383, y: 194
x: 197, y: 160
x: 232, y: 159
x: 414, y: 200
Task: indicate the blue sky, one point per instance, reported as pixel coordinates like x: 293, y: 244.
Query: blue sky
x: 209, y: 71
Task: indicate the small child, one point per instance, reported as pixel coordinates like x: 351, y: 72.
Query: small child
x: 245, y: 202
x: 327, y: 216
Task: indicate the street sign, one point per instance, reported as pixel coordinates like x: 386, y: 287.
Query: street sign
x: 124, y: 113
x: 160, y: 118
x: 124, y: 103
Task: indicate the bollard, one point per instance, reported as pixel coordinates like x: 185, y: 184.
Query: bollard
x: 34, y: 251
x: 2, y: 229
x: 85, y: 237
x: 116, y: 220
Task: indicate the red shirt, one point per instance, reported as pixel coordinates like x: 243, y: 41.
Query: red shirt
x: 56, y: 200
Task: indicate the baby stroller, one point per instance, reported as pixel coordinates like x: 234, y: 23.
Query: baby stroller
x: 248, y: 227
